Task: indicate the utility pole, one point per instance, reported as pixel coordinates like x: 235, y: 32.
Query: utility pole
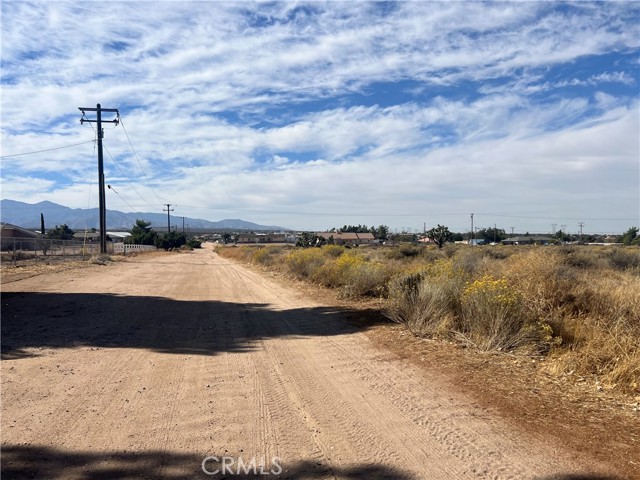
x: 100, y: 133
x: 472, y: 229
x: 495, y: 230
x: 182, y: 224
x: 581, y: 224
x: 168, y: 210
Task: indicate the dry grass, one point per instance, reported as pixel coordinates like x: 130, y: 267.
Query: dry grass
x: 578, y: 304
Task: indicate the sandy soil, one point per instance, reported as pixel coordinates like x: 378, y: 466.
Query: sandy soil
x: 147, y: 368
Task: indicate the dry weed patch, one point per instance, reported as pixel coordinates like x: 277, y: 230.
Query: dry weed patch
x: 579, y: 305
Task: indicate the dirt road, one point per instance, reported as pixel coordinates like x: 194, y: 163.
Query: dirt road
x: 152, y: 367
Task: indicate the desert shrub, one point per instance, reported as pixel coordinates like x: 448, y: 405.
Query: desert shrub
x: 426, y: 301
x: 541, y: 278
x: 582, y: 257
x: 609, y: 351
x: 262, y: 256
x: 236, y: 253
x: 469, y: 260
x: 354, y: 274
x: 366, y: 279
x: 303, y: 263
x: 102, y: 259
x: 451, y: 249
x: 494, y: 317
x: 497, y: 252
x: 598, y: 327
x: 333, y: 251
x: 624, y: 258
x: 426, y: 307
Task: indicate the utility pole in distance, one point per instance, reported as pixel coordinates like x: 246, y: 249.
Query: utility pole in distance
x: 168, y: 210
x: 100, y: 133
x: 581, y: 224
x: 472, y: 230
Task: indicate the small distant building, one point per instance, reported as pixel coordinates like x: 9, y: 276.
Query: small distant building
x: 12, y: 236
x: 348, y: 238
x: 529, y: 240
x: 118, y: 237
x: 91, y: 236
x: 261, y: 238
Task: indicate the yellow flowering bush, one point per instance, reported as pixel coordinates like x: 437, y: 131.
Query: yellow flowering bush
x: 305, y: 262
x: 493, y: 315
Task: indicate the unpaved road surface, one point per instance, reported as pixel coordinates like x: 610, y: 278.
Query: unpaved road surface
x: 149, y: 367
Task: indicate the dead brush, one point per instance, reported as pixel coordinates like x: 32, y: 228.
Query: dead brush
x: 426, y: 302
x: 541, y: 278
x: 353, y: 273
x: 494, y: 317
x: 305, y: 263
x: 102, y: 259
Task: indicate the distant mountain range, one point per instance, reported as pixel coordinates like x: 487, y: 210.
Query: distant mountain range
x: 27, y: 215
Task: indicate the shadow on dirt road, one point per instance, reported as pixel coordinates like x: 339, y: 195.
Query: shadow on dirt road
x: 54, y: 320
x: 20, y: 462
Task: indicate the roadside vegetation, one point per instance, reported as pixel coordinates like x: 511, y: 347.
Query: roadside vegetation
x: 143, y: 234
x: 576, y: 305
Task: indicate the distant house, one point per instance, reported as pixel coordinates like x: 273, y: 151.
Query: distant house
x: 118, y: 237
x: 348, y: 238
x: 261, y: 238
x: 18, y: 238
x: 86, y: 235
x: 531, y: 240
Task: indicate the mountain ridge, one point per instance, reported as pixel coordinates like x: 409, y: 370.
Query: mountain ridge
x: 27, y: 215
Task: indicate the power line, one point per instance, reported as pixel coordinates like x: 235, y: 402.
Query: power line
x: 47, y: 150
x: 120, y: 197
x: 128, y: 179
x: 138, y: 159
x: 147, y: 204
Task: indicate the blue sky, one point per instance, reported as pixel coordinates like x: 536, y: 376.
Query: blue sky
x: 313, y: 115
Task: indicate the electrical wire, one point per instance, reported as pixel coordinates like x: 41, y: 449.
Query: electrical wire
x: 147, y: 204
x: 138, y: 159
x: 46, y: 150
x: 125, y: 176
x: 120, y: 197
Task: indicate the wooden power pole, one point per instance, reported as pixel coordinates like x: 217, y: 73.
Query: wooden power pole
x: 100, y: 133
x: 168, y: 210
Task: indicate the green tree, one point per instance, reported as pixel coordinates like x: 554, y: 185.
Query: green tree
x: 457, y: 237
x: 490, y: 235
x: 62, y: 232
x: 171, y: 240
x: 226, y: 238
x: 381, y: 233
x: 354, y: 229
x: 194, y: 243
x: 630, y: 237
x: 440, y: 235
x: 142, y: 234
x: 310, y: 239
